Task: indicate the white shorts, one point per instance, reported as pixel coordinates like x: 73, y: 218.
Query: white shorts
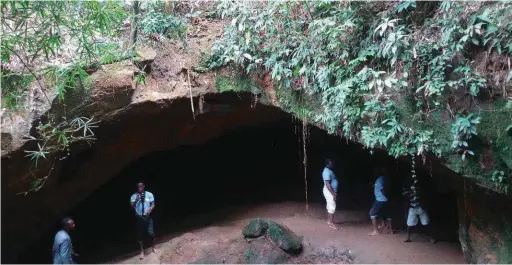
x: 331, y: 204
x: 414, y: 214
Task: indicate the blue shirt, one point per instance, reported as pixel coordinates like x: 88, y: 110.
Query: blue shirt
x: 377, y: 190
x: 148, y: 199
x: 329, y: 175
x: 62, y: 248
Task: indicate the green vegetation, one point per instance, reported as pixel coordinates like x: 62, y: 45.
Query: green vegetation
x: 53, y: 46
x: 156, y: 24
x: 50, y: 46
x: 397, y: 75
x: 36, y: 35
x: 405, y: 76
x: 226, y: 84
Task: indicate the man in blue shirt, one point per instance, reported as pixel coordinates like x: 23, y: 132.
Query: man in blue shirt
x: 380, y: 206
x: 62, y: 247
x: 330, y: 192
x: 143, y: 202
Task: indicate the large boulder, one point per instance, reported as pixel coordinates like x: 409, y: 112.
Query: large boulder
x: 285, y: 238
x: 255, y: 228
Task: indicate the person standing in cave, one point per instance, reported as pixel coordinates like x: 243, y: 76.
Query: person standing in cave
x: 143, y: 202
x: 330, y: 191
x: 380, y: 207
x: 416, y: 210
x: 62, y: 248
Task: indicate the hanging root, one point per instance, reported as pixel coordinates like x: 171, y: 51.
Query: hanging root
x: 305, y: 161
x: 413, y: 170
x: 201, y: 104
x: 253, y: 103
x: 191, y: 98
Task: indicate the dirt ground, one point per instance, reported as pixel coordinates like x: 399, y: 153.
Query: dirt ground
x: 221, y: 239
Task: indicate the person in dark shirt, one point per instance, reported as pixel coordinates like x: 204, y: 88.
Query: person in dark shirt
x: 416, y: 210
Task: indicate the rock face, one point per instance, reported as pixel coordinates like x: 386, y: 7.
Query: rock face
x: 485, y: 226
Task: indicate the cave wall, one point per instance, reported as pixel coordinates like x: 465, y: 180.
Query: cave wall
x: 485, y: 225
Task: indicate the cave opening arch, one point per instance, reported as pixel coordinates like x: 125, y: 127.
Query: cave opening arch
x: 232, y: 155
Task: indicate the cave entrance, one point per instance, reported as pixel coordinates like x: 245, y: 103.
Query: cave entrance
x: 245, y: 168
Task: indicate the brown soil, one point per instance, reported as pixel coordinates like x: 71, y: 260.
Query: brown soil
x: 222, y: 241
x: 175, y: 62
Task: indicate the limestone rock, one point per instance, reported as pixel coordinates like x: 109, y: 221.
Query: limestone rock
x: 145, y: 57
x: 112, y: 89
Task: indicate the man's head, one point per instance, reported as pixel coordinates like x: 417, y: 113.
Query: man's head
x: 67, y: 224
x: 140, y: 186
x: 329, y: 164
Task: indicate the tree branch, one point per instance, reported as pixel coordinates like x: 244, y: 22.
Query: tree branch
x: 32, y: 73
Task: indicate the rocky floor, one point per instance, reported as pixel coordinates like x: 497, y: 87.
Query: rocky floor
x: 222, y: 242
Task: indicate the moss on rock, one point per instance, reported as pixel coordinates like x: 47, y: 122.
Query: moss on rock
x: 285, y: 238
x: 255, y: 228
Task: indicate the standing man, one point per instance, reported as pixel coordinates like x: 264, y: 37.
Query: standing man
x: 330, y: 191
x: 416, y: 211
x: 143, y: 202
x: 380, y: 207
x: 62, y: 247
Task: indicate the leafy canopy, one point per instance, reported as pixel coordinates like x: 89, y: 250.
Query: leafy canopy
x: 390, y: 75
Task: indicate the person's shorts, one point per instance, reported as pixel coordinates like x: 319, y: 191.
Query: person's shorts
x: 415, y: 214
x: 331, y: 204
x: 145, y: 228
x: 380, y: 209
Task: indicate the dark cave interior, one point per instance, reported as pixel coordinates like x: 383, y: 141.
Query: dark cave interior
x: 250, y: 165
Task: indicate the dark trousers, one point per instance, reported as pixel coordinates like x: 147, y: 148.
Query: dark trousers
x: 380, y: 209
x: 145, y: 228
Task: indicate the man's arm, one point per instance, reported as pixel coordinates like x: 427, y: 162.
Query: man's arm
x: 327, y: 179
x: 329, y: 187
x: 380, y: 185
x: 151, y: 204
x: 65, y: 251
x: 134, y: 200
x: 383, y: 192
x: 151, y: 207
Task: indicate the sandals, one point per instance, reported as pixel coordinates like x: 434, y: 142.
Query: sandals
x: 333, y: 226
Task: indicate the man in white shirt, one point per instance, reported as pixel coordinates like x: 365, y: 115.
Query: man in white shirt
x: 143, y: 202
